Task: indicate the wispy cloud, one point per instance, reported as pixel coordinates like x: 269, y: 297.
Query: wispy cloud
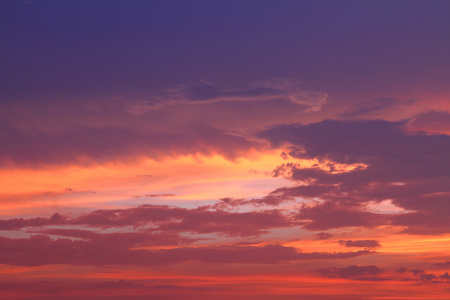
x: 209, y: 93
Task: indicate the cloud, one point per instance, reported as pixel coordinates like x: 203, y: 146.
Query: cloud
x: 128, y: 239
x: 360, y: 243
x: 225, y: 203
x: 41, y: 250
x: 84, y: 145
x: 374, y: 273
x: 118, y: 284
x: 140, y: 285
x: 43, y: 288
x: 443, y: 264
x: 330, y: 215
x: 273, y: 198
x: 409, y: 169
x: 422, y: 276
x: 377, y: 106
x: 17, y: 223
x: 154, y: 195
x: 208, y: 93
x: 323, y: 235
x: 202, y: 119
x: 200, y: 220
x: 436, y: 122
x: 168, y: 218
x: 367, y: 273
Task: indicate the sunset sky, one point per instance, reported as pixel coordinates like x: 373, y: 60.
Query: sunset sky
x: 224, y: 149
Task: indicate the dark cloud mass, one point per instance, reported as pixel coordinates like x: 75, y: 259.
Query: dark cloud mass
x: 41, y: 250
x: 409, y: 169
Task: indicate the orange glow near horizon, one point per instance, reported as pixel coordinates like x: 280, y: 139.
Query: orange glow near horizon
x: 193, y: 177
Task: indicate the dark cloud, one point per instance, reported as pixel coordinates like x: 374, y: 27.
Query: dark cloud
x: 209, y: 92
x: 168, y: 218
x: 427, y: 277
x: 360, y: 243
x: 61, y: 287
x: 409, y: 169
x: 376, y: 106
x: 334, y: 215
x: 41, y: 250
x: 118, y: 284
x: 369, y: 273
x: 422, y: 276
x: 323, y: 235
x: 443, y: 264
x: 167, y: 122
x: 128, y: 239
x: 417, y: 272
x: 273, y: 198
x: 141, y: 285
x: 374, y: 273
x: 200, y: 220
x: 225, y: 203
x: 17, y: 223
x: 274, y: 89
x: 86, y: 145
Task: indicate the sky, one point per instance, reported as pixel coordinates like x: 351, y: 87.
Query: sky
x: 224, y: 149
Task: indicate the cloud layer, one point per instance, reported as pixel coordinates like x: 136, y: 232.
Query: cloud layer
x: 408, y: 169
